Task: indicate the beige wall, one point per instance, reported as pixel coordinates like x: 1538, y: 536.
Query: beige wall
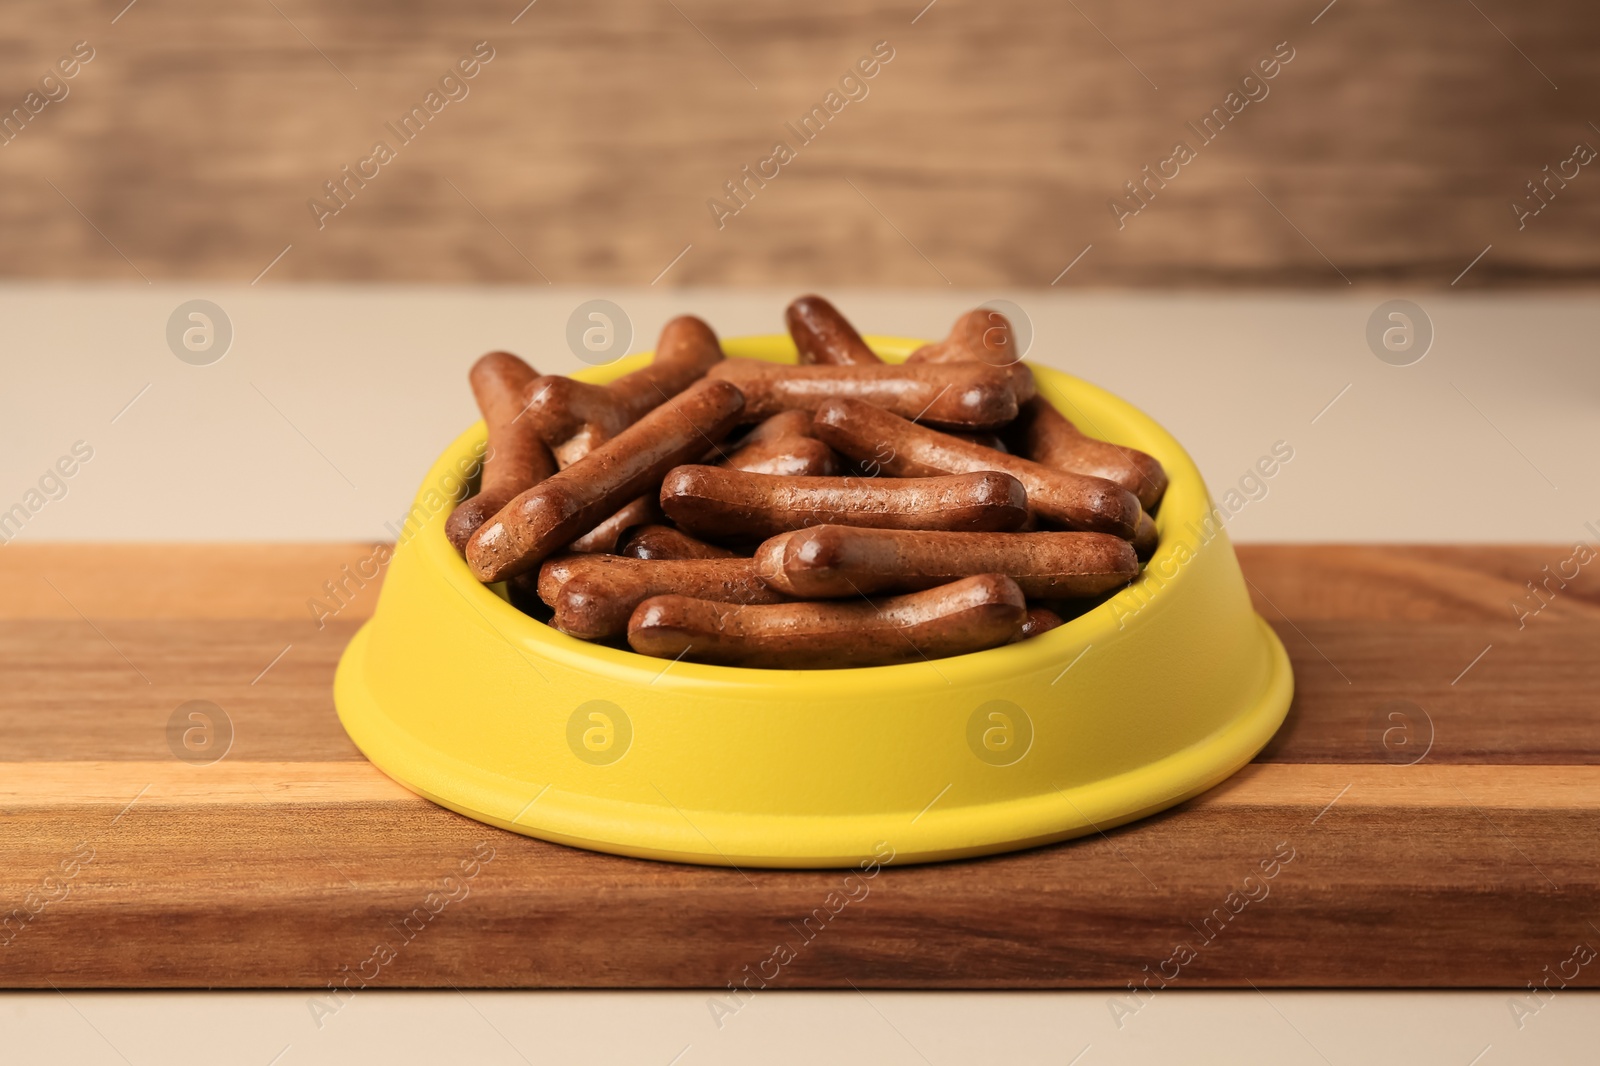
x: 1389, y: 149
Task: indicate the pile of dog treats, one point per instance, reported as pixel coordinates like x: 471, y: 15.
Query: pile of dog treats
x: 836, y: 513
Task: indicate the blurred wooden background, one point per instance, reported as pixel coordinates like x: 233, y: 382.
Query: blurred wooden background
x: 1388, y: 151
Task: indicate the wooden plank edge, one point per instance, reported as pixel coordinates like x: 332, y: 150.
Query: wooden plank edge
x: 36, y: 785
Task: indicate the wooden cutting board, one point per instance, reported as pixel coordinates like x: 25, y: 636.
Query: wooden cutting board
x: 1429, y: 814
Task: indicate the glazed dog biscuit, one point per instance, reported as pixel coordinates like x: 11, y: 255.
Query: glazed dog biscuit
x: 1145, y: 538
x: 782, y: 425
x: 1049, y: 438
x: 597, y: 593
x: 962, y: 396
x: 1040, y: 620
x: 791, y: 456
x: 905, y: 449
x: 575, y: 417
x: 827, y: 562
x: 573, y: 501
x: 604, y: 537
x: 783, y: 444
x: 664, y: 542
x: 982, y: 336
x: 551, y: 575
x: 986, y: 440
x: 685, y: 351
x: 515, y: 459
x: 964, y: 616
x: 824, y: 336
x: 731, y: 504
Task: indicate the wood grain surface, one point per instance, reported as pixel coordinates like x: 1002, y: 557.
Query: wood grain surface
x: 1436, y: 788
x: 1388, y: 151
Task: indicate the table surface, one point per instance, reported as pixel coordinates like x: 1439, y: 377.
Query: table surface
x: 1437, y: 784
x: 330, y: 403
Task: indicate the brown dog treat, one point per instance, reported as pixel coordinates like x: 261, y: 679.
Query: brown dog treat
x: 827, y: 562
x: 604, y: 537
x: 733, y: 505
x: 786, y: 425
x: 824, y: 336
x: 982, y: 336
x: 515, y: 459
x: 596, y: 593
x: 551, y: 575
x: 984, y: 440
x: 574, y: 417
x: 905, y: 449
x: 686, y: 349
x: 788, y: 456
x: 573, y: 501
x: 1040, y: 620
x: 964, y: 616
x: 1145, y: 538
x: 1048, y: 437
x: 780, y: 426
x: 664, y: 542
x: 966, y: 396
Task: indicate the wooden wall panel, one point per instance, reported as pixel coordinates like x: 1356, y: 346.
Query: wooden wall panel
x: 1388, y: 151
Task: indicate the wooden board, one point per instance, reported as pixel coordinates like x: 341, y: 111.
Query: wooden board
x: 1430, y: 813
x: 1387, y: 152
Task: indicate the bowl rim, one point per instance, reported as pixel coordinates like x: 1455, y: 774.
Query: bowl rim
x: 1186, y: 500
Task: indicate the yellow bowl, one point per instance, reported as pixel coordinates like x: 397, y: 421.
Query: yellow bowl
x: 1150, y: 698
